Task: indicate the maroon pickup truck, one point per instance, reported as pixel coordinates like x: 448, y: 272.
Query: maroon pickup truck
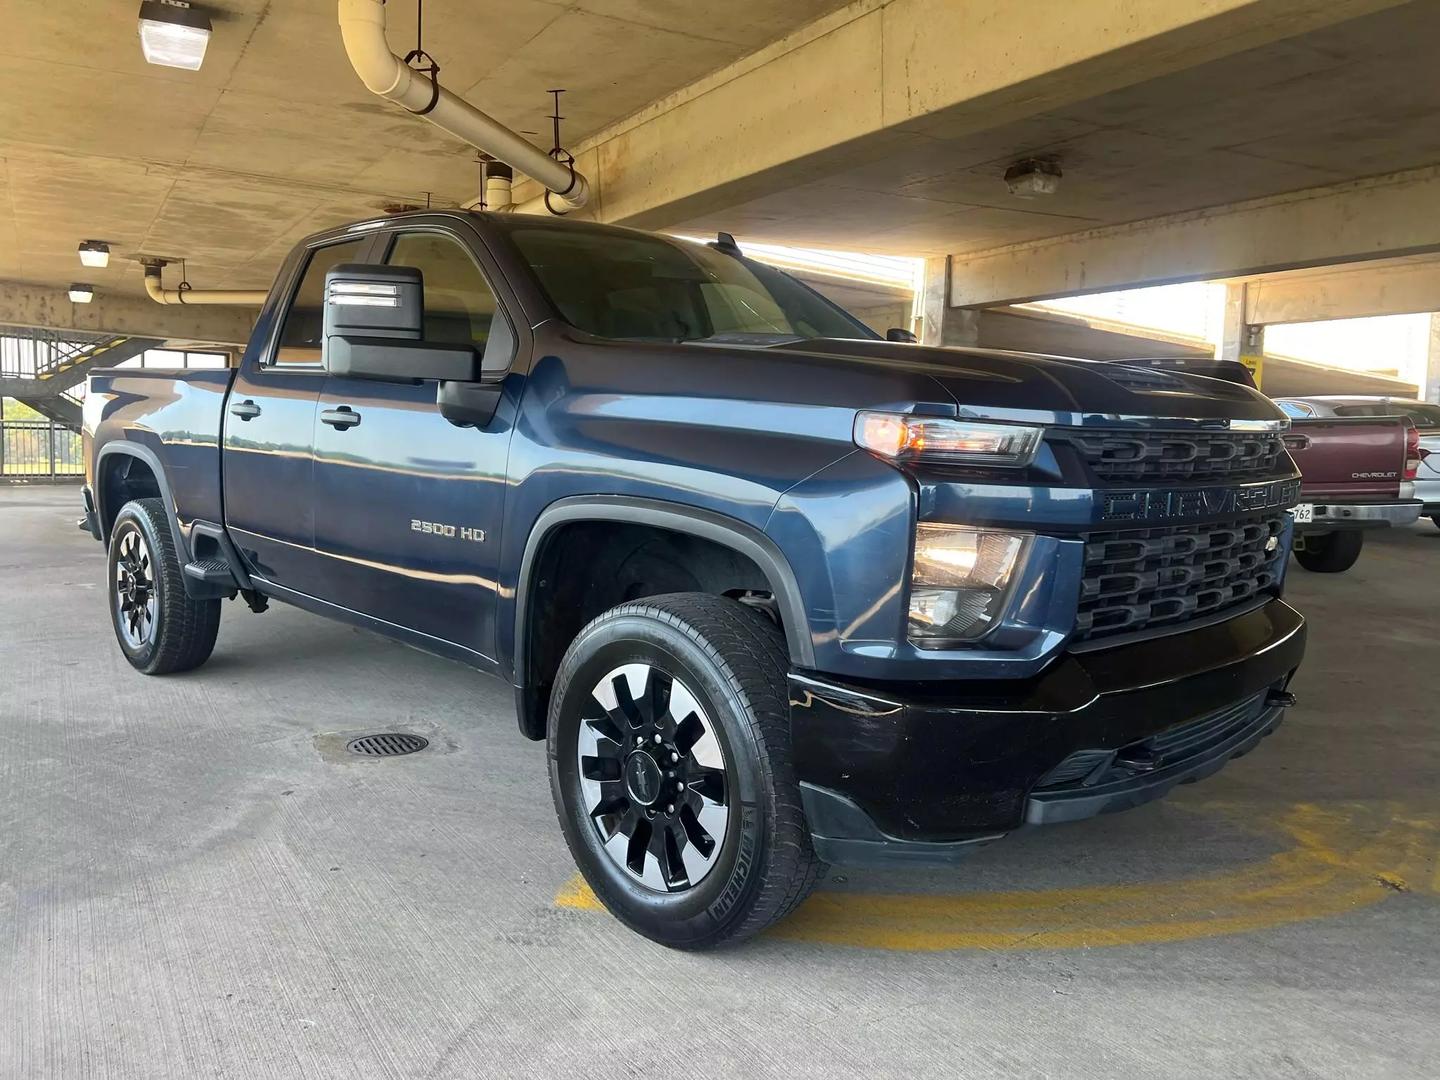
x: 1356, y: 474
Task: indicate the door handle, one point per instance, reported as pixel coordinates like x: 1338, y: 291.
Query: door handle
x: 341, y: 418
x: 245, y: 410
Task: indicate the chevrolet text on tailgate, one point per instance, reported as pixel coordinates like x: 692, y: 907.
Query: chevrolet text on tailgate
x: 775, y: 592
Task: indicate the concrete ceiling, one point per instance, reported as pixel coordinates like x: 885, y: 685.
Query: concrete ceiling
x: 275, y: 137
x: 1356, y: 99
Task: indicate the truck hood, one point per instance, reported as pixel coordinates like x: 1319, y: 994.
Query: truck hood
x: 1056, y: 389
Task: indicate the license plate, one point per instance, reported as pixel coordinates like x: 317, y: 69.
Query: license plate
x: 1304, y: 512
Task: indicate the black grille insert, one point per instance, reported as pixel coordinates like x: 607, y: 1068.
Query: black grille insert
x: 1138, y: 579
x: 387, y: 744
x: 1136, y: 456
x: 1097, y: 767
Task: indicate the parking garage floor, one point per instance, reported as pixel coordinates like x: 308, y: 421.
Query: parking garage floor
x: 195, y: 880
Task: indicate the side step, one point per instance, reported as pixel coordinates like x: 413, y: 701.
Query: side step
x: 210, y: 578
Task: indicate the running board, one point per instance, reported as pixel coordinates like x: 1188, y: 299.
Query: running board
x: 209, y: 579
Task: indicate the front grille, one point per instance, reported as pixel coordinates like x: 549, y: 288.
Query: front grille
x: 1139, y: 579
x: 1144, y: 456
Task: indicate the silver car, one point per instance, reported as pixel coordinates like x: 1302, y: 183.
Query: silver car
x: 1424, y: 414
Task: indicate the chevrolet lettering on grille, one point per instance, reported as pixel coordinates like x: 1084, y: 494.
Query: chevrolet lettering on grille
x: 1152, y: 505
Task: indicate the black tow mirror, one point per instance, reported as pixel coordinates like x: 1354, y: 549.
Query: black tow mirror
x: 903, y: 336
x: 375, y: 328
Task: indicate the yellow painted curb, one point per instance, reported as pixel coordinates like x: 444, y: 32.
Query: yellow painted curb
x: 1343, y: 858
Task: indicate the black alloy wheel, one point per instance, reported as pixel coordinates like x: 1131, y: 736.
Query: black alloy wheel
x: 652, y: 774
x: 159, y: 627
x: 669, y: 755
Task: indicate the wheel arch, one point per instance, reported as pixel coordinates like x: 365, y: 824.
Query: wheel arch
x: 742, y: 539
x: 110, y: 460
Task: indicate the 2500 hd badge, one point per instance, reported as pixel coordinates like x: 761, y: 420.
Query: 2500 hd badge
x: 450, y: 532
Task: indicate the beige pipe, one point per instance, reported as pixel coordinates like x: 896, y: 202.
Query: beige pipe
x: 235, y: 297
x: 362, y: 26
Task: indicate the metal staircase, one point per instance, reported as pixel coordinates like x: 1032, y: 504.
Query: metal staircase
x: 38, y: 366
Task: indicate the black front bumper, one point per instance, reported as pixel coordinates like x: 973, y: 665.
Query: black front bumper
x: 924, y: 773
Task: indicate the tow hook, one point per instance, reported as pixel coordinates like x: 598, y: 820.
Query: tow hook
x: 1279, y: 699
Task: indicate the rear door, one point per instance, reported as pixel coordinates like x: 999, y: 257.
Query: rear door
x: 269, y: 425
x: 408, y: 505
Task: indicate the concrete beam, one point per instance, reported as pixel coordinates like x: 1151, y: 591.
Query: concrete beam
x: 880, y: 76
x: 34, y: 305
x: 1346, y: 293
x: 1375, y: 218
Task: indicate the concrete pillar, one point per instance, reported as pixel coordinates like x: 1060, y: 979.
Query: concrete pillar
x: 1240, y: 340
x: 942, y: 324
x: 1430, y: 381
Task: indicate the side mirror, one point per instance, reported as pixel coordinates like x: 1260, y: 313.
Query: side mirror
x: 904, y: 336
x: 375, y: 328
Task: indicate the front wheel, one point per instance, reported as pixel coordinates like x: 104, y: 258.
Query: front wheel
x: 159, y: 627
x: 1330, y: 553
x: 669, y: 755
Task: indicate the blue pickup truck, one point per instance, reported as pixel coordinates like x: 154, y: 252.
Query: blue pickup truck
x: 777, y: 592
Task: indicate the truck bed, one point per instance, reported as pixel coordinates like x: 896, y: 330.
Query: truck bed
x: 175, y: 414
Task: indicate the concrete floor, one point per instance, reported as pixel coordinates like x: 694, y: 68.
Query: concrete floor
x: 192, y: 884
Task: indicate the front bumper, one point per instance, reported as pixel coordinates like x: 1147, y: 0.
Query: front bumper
x: 923, y: 773
x: 1362, y: 515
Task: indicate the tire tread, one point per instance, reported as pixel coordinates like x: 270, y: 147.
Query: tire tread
x: 186, y: 628
x: 749, y: 649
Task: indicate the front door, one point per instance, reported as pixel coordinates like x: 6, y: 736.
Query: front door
x: 407, y: 504
x: 269, y: 431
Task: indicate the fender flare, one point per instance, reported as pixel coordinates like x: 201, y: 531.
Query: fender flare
x: 149, y: 457
x: 719, y: 528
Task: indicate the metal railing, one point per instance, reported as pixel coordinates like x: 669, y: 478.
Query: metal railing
x: 39, y: 450
x: 35, y: 353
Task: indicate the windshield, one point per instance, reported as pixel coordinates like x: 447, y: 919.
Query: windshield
x: 624, y: 285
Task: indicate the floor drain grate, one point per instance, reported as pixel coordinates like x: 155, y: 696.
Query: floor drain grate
x: 388, y: 744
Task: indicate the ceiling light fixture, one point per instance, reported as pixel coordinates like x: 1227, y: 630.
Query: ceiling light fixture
x: 80, y: 293
x: 1033, y: 177
x: 173, y: 34
x: 94, y: 253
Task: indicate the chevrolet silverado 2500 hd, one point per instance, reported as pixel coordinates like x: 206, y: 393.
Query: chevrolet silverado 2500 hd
x: 776, y: 592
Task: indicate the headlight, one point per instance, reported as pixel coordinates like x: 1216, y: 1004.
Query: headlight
x: 961, y: 581
x: 965, y: 442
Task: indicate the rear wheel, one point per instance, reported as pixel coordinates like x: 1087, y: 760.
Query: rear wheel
x: 159, y: 627
x: 669, y: 749
x: 1330, y: 553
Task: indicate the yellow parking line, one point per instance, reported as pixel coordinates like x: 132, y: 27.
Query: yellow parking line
x: 1341, y: 858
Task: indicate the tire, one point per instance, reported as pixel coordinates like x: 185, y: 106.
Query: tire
x: 1331, y: 553
x: 1435, y: 518
x: 159, y: 627
x: 731, y: 748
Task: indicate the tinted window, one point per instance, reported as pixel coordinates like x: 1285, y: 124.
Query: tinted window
x: 1295, y: 409
x: 305, y: 321
x: 621, y: 285
x: 1425, y: 416
x: 459, y: 306
x: 1368, y: 409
